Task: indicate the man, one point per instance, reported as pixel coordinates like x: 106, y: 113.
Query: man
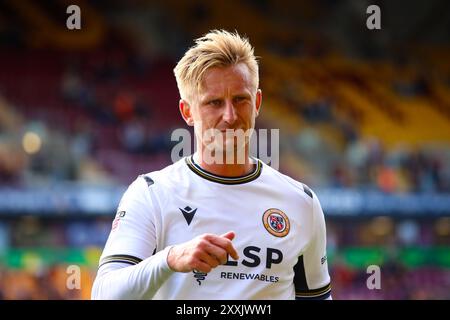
x: 219, y: 224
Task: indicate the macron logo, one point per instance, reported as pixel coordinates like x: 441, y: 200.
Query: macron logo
x: 188, y: 214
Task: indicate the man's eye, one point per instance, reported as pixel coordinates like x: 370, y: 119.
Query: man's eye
x: 239, y: 99
x: 215, y: 102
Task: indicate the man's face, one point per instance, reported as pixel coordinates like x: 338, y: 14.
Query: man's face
x: 227, y: 100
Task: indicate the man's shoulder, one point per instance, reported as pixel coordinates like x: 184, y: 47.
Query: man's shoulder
x: 289, y: 182
x: 173, y: 171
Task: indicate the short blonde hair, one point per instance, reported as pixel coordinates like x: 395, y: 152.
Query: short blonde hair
x: 218, y: 48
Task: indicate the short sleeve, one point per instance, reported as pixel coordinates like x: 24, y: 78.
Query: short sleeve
x: 312, y: 280
x: 132, y: 237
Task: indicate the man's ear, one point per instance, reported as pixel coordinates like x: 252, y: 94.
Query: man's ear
x: 258, y: 101
x: 185, y: 110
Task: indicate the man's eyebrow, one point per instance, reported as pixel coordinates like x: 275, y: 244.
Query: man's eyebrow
x: 242, y: 94
x: 210, y: 98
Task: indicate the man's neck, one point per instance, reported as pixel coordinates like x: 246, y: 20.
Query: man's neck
x: 226, y: 169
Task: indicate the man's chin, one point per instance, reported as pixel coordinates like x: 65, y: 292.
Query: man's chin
x: 232, y: 152
x: 228, y: 150
x: 231, y: 146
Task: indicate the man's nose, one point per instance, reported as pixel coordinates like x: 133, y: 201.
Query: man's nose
x: 229, y: 113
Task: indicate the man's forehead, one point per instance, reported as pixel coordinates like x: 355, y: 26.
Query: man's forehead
x: 218, y: 79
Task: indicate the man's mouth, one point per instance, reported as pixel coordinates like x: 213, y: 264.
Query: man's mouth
x: 228, y: 129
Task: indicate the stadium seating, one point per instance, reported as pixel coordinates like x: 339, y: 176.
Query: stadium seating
x: 104, y: 103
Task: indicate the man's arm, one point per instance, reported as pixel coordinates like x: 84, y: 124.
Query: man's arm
x: 311, y: 279
x: 131, y: 267
x: 118, y: 280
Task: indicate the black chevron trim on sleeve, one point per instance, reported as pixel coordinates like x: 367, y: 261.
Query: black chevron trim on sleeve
x: 316, y: 294
x: 307, y: 190
x: 148, y: 180
x: 300, y: 276
x: 123, y: 258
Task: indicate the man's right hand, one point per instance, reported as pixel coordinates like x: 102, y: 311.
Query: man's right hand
x: 202, y: 253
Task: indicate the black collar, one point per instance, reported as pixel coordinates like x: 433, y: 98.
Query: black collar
x: 221, y: 179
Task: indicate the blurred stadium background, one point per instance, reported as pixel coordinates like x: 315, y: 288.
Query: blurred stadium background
x: 364, y: 118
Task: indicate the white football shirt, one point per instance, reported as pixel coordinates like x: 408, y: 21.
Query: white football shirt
x: 279, y: 226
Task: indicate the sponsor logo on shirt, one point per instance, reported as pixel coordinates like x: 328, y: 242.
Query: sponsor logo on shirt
x: 200, y: 276
x: 254, y: 256
x: 188, y: 214
x: 119, y: 215
x: 276, y: 222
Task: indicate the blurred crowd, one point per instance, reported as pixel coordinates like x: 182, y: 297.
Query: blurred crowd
x: 49, y: 283
x: 106, y: 114
x: 355, y: 110
x: 102, y: 131
x: 396, y: 283
x: 413, y: 257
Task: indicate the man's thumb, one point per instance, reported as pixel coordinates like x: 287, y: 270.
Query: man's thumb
x: 229, y: 235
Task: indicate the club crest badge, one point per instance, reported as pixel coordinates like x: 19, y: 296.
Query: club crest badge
x: 276, y: 222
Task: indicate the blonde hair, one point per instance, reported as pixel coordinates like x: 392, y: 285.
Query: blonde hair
x: 218, y: 48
